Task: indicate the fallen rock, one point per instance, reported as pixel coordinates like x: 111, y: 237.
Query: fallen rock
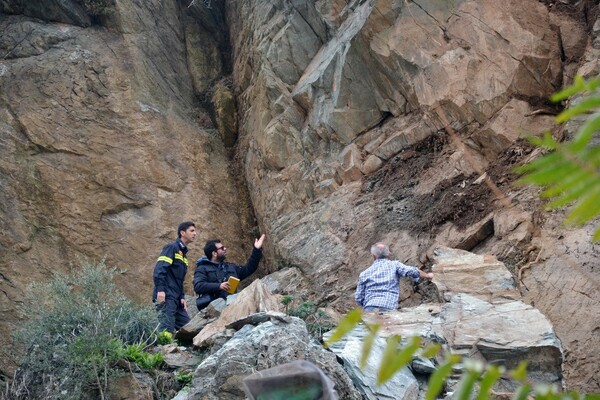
x: 253, y: 299
x: 179, y: 358
x: 255, y: 348
x: 503, y: 333
x: 132, y: 386
x: 187, y: 332
x: 458, y: 271
x: 402, y: 386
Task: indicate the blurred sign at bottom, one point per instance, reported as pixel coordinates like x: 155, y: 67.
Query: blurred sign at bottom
x: 297, y: 380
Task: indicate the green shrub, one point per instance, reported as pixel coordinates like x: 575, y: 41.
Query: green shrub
x: 97, y: 8
x: 303, y: 311
x: 286, y: 301
x: 79, y: 325
x: 136, y: 353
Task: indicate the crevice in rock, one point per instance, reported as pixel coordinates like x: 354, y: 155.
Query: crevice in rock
x: 478, y: 237
x: 6, y: 279
x: 438, y: 23
x: 211, y: 21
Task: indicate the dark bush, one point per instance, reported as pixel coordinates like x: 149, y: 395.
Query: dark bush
x: 79, y: 325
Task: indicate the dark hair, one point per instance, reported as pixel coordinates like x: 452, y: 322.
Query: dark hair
x: 210, y: 246
x: 184, y: 227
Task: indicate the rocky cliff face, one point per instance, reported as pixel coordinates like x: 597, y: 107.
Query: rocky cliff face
x: 348, y: 111
x: 357, y: 121
x: 106, y: 147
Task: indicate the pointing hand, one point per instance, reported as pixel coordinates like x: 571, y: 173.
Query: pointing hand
x: 259, y: 242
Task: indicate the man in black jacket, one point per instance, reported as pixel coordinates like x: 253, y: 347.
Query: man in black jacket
x: 212, y: 272
x: 169, y: 274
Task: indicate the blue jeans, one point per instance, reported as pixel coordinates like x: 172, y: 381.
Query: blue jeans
x: 371, y: 308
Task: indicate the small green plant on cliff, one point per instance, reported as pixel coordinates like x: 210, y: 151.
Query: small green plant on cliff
x: 286, y: 301
x: 316, y: 320
x: 98, y: 8
x: 164, y: 337
x: 80, y: 326
x: 184, y: 377
x: 136, y: 353
x: 570, y: 171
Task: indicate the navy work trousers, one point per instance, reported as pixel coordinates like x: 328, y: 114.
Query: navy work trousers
x: 172, y: 315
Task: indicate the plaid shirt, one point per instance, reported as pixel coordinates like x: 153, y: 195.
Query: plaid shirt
x: 379, y: 286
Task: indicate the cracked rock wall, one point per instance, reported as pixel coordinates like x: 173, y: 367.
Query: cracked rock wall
x: 104, y: 150
x: 346, y: 111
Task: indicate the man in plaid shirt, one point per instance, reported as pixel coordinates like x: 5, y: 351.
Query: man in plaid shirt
x: 379, y: 286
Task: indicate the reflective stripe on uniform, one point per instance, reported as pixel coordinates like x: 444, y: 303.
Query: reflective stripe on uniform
x: 182, y: 258
x: 165, y: 259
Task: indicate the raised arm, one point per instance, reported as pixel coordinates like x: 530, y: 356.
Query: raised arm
x: 252, y: 264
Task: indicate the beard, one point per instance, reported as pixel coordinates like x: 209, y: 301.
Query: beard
x: 221, y: 258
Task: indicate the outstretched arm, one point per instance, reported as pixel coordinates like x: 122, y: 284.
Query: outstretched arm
x: 425, y: 275
x: 252, y: 264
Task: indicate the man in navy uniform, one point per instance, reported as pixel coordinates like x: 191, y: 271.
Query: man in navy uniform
x: 169, y: 275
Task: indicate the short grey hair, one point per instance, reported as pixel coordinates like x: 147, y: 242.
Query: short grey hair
x: 380, y: 250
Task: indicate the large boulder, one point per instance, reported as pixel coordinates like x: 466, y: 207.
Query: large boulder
x: 402, y: 386
x: 503, y: 333
x: 255, y: 348
x: 252, y: 300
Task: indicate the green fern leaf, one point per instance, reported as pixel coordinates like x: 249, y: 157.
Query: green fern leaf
x: 585, y: 133
x: 520, y: 373
x: 544, y: 162
x: 578, y: 86
x: 585, y: 106
x: 431, y: 350
x: 437, y: 379
x: 368, y: 345
x: 551, y: 174
x: 572, y: 193
x: 587, y: 208
x: 567, y: 183
x: 393, y: 360
x: 466, y: 384
x: 487, y: 382
x: 522, y: 393
x: 347, y: 323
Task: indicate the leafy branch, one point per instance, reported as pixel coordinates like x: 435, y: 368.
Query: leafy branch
x: 476, y: 380
x: 570, y: 171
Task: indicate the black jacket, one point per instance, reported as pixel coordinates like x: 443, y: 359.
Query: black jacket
x: 170, y: 270
x: 209, y: 275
